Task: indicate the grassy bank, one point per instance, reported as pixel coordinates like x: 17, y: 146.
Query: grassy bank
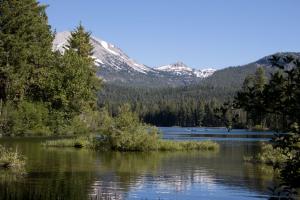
x: 141, y: 146
x: 11, y: 159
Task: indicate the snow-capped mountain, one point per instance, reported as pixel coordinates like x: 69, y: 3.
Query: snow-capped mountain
x: 118, y: 68
x: 105, y: 54
x: 181, y: 69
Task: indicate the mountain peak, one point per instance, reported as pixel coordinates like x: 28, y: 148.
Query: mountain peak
x: 106, y: 55
x: 180, y: 63
x: 179, y: 68
x: 176, y: 67
x: 116, y: 67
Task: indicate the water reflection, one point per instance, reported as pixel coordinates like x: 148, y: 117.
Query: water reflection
x: 177, y: 175
x: 82, y: 174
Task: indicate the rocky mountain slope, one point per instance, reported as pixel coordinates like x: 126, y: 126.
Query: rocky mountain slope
x: 181, y: 69
x: 114, y: 66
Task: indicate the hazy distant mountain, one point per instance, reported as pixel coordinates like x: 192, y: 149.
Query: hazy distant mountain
x: 118, y: 68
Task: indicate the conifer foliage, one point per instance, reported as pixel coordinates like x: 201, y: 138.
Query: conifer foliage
x: 276, y: 100
x: 279, y: 99
x: 42, y: 92
x: 25, y: 49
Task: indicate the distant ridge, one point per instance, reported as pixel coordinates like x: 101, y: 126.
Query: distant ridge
x: 116, y: 67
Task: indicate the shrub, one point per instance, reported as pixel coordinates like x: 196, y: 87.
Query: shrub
x: 38, y: 119
x: 126, y: 132
x: 272, y: 155
x: 269, y: 155
x: 25, y: 119
x: 11, y: 159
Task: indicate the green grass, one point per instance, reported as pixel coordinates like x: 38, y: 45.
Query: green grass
x: 10, y: 159
x: 167, y: 145
x: 78, y: 142
x: 141, y: 145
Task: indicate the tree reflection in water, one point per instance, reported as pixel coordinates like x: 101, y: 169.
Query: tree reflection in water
x: 82, y: 174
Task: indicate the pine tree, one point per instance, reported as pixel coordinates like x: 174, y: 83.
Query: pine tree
x: 260, y: 79
x: 80, y: 81
x: 25, y: 49
x: 251, y: 97
x: 80, y: 42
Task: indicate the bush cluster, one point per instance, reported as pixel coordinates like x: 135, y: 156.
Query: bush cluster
x: 11, y: 159
x: 125, y: 132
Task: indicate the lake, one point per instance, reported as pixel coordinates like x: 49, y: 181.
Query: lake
x: 66, y: 173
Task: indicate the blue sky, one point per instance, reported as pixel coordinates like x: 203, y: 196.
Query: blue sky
x: 201, y: 33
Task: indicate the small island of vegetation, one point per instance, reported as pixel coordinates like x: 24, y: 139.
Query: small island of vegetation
x: 125, y: 132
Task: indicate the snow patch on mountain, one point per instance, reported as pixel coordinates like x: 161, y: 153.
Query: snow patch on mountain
x: 105, y: 54
x: 180, y: 69
x: 204, y: 73
x: 177, y: 68
x: 115, y: 65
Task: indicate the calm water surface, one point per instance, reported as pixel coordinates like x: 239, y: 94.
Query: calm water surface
x: 54, y: 173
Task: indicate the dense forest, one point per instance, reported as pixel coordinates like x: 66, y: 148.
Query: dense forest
x: 275, y: 99
x: 189, y: 106
x: 203, y: 104
x: 194, y: 105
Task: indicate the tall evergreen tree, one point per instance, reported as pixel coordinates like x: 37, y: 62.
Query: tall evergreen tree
x: 25, y: 48
x: 251, y: 97
x: 80, y: 81
x: 260, y: 79
x: 80, y: 42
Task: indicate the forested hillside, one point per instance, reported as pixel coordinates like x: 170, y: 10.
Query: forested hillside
x: 193, y: 105
x: 183, y: 106
x: 233, y: 77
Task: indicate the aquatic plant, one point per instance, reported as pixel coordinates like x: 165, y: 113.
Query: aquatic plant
x: 10, y: 159
x: 167, y: 145
x: 148, y: 143
x: 269, y: 155
x: 76, y: 142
